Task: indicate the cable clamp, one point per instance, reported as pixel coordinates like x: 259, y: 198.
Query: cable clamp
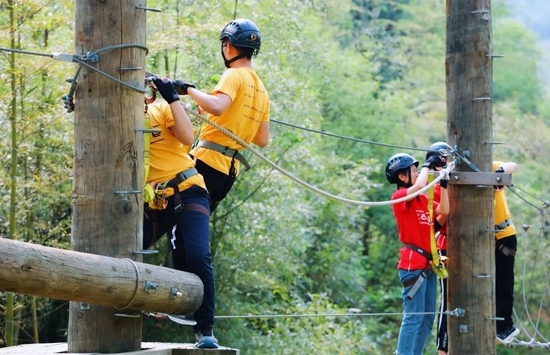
x: 63, y: 57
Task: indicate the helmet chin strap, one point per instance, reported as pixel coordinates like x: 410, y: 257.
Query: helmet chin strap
x: 408, y: 183
x: 228, y: 62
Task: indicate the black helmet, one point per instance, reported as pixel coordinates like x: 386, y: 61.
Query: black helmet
x: 242, y: 33
x: 439, y: 148
x: 396, y: 163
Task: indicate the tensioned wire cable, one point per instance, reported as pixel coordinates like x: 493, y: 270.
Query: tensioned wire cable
x: 346, y: 137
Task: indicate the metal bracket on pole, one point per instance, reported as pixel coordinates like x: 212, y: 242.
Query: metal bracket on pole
x: 475, y: 178
x: 457, y: 312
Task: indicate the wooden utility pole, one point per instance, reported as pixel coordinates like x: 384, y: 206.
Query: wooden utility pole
x: 108, y: 160
x: 471, y: 240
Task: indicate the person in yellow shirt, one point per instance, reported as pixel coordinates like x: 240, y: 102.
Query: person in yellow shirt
x: 180, y: 199
x: 239, y: 103
x: 505, y: 252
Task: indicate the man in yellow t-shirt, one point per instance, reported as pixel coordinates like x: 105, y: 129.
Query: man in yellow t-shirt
x: 505, y: 252
x: 238, y: 103
x: 181, y: 200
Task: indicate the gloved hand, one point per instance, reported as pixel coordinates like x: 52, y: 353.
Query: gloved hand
x: 443, y: 183
x: 181, y: 87
x: 435, y: 161
x: 166, y: 89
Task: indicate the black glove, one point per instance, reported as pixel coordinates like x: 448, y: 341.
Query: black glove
x: 443, y: 183
x: 166, y: 89
x: 435, y: 161
x: 181, y: 87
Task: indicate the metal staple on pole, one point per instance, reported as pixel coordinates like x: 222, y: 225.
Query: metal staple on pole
x: 135, y: 288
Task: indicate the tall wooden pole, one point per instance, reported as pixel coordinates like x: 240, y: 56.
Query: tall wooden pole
x: 471, y: 242
x: 108, y: 161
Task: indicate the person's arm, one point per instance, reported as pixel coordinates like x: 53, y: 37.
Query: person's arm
x: 421, y: 181
x: 509, y: 167
x: 183, y: 128
x: 442, y: 210
x: 214, y: 104
x: 261, y: 139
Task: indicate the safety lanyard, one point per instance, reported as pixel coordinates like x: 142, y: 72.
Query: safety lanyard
x: 148, y: 192
x: 437, y: 266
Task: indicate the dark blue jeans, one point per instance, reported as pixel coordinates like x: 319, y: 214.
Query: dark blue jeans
x: 190, y: 246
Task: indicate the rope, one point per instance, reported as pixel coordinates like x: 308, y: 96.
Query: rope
x: 444, y: 173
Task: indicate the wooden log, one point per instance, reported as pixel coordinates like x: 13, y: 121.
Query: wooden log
x: 95, y: 279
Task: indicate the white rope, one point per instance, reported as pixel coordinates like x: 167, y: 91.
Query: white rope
x: 443, y: 173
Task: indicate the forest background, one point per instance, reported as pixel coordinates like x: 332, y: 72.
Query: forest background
x: 369, y: 70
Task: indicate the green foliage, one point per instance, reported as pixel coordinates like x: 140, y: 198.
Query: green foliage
x: 516, y: 75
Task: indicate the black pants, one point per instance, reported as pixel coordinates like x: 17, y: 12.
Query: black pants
x: 217, y: 183
x: 442, y: 335
x: 504, y: 283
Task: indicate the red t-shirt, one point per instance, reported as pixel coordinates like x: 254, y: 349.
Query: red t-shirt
x: 442, y: 237
x: 413, y: 225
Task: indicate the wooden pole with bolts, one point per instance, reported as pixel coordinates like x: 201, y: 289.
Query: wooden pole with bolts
x: 108, y: 160
x: 470, y: 224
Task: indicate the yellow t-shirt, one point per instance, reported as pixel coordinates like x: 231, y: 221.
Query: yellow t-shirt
x: 168, y: 155
x: 502, y: 213
x: 249, y: 108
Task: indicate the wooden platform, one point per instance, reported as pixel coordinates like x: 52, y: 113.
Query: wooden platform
x: 147, y: 349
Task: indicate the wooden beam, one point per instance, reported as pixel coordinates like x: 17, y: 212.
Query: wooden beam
x: 95, y: 279
x: 470, y: 245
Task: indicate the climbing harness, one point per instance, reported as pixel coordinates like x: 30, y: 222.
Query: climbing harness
x: 160, y: 201
x: 503, y: 225
x: 438, y: 266
x: 415, y: 282
x: 148, y: 192
x: 228, y: 152
x: 172, y: 188
x: 506, y: 250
